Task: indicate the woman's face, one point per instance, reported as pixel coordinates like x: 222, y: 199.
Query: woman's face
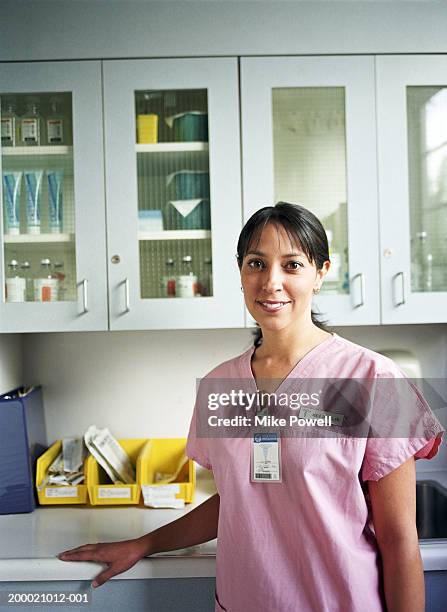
x: 278, y: 280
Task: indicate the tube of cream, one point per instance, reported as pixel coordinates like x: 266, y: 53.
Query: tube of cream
x: 33, y: 182
x: 12, y: 182
x: 55, y: 200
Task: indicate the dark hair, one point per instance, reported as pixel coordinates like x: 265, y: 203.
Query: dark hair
x: 301, y: 226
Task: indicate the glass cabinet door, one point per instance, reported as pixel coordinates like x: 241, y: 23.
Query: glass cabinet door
x: 412, y: 138
x: 51, y: 164
x: 173, y: 193
x: 308, y: 128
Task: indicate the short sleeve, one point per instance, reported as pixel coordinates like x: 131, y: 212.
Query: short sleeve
x: 197, y: 447
x: 410, y: 429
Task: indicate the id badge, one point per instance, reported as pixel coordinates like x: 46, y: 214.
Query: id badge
x: 266, y: 458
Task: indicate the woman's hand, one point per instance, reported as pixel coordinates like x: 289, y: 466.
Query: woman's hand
x: 119, y: 557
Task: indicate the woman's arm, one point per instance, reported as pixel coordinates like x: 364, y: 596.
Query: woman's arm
x: 393, y: 500
x: 196, y: 527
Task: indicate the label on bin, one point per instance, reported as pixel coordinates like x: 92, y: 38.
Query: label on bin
x: 162, y: 496
x: 108, y: 492
x: 61, y: 492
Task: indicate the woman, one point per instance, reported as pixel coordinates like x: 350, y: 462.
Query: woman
x: 338, y: 532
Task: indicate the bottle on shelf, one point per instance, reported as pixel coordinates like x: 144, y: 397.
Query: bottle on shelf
x: 15, y: 284
x: 186, y: 285
x: 168, y: 283
x: 46, y: 284
x: 9, y: 125
x: 25, y: 266
x: 31, y: 125
x: 422, y: 264
x: 443, y: 269
x: 208, y: 280
x: 59, y: 273
x: 333, y: 277
x: 55, y: 131
x: 345, y: 284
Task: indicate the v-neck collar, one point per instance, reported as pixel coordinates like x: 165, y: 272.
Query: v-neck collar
x: 300, y: 368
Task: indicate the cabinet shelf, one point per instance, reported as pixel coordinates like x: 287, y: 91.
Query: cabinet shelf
x: 38, y: 238
x: 169, y: 148
x: 175, y: 235
x: 28, y: 151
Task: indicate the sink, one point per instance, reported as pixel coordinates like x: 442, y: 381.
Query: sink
x: 431, y: 510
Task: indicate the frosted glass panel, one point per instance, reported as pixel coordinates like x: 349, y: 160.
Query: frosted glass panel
x: 174, y: 209
x: 427, y: 158
x: 38, y: 197
x: 309, y: 146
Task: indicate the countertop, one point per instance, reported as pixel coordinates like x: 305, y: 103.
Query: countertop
x: 30, y: 542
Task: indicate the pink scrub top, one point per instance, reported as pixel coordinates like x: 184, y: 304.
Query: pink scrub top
x: 307, y: 543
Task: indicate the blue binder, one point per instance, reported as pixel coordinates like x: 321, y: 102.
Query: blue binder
x: 22, y: 439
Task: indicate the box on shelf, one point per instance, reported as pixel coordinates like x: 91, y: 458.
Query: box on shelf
x: 150, y: 221
x: 147, y: 129
x: 51, y: 494
x: 23, y: 438
x: 162, y: 456
x: 101, y: 491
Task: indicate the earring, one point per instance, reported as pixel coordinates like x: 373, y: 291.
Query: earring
x: 242, y: 289
x: 317, y: 290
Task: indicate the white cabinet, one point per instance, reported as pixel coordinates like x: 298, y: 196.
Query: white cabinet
x: 310, y: 136
x: 173, y: 193
x: 52, y: 198
x: 160, y: 254
x: 308, y: 133
x: 412, y: 154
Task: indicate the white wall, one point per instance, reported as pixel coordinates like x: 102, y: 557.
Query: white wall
x: 11, y: 356
x: 70, y: 29
x: 137, y: 383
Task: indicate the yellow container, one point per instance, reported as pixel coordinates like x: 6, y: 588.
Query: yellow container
x: 101, y: 491
x: 57, y: 494
x: 147, y: 129
x: 163, y: 455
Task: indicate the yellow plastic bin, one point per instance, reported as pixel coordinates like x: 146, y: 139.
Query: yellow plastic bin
x: 163, y: 455
x: 57, y: 494
x: 104, y: 493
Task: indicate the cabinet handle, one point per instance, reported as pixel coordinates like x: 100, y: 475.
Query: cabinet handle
x: 395, y: 277
x: 84, y: 285
x: 126, y: 295
x: 361, y: 276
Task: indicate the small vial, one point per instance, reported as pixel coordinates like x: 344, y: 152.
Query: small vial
x: 187, y: 285
x: 46, y: 284
x: 208, y: 281
x: 25, y: 266
x: 15, y: 284
x: 167, y: 284
x: 31, y: 126
x: 59, y: 273
x: 55, y: 124
x: 9, y: 119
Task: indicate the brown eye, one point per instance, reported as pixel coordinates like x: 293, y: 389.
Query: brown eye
x: 255, y: 264
x: 294, y: 265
